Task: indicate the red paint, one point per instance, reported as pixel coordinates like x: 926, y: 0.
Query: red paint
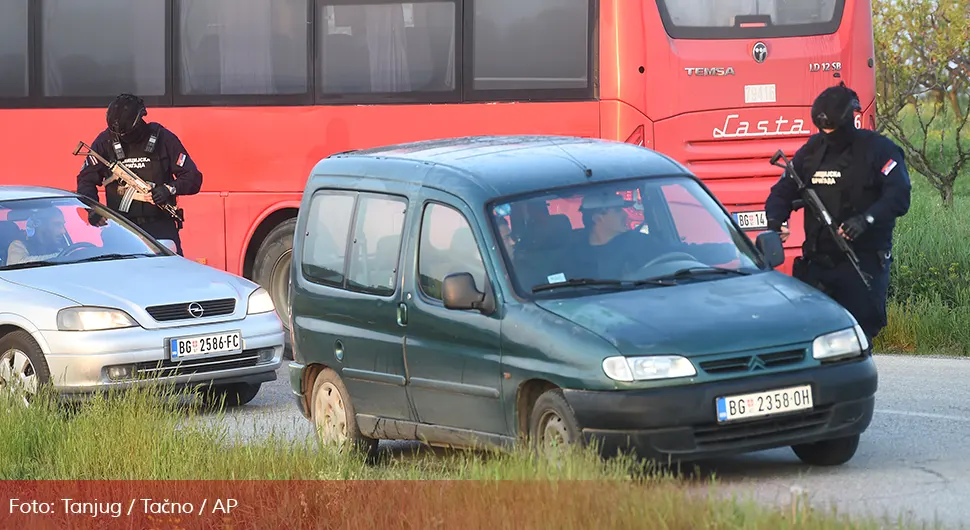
x: 256, y: 160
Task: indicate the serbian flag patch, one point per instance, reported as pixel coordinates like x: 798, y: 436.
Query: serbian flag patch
x: 181, y: 160
x: 888, y: 167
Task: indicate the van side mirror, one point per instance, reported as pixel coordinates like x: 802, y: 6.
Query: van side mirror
x: 169, y: 244
x: 459, y: 292
x: 770, y: 245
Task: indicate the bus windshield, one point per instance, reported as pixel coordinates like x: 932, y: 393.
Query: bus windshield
x: 714, y: 19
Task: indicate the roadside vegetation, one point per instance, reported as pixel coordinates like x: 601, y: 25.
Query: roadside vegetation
x: 923, y: 103
x: 140, y: 435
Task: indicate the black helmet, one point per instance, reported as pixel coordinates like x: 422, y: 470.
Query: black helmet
x: 835, y: 106
x: 124, y: 114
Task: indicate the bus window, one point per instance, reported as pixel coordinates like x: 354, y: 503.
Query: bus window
x: 522, y: 45
x: 690, y: 18
x: 103, y: 47
x: 257, y: 48
x: 386, y: 48
x: 13, y: 49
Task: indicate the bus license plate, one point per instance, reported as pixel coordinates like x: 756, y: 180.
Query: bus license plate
x: 187, y: 347
x: 766, y: 403
x: 752, y: 220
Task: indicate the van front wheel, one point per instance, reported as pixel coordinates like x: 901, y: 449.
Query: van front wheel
x: 828, y: 452
x: 553, y: 426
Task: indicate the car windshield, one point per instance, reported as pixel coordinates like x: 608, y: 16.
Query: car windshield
x: 62, y: 230
x: 644, y: 233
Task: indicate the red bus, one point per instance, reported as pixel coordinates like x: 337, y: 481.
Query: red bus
x: 260, y: 90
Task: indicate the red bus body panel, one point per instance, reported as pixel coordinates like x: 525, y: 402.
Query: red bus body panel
x: 255, y: 160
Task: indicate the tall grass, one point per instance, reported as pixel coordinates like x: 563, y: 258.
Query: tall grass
x: 929, y: 301
x: 140, y: 435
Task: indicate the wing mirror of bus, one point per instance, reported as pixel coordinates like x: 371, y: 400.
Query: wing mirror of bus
x: 458, y: 292
x: 770, y: 245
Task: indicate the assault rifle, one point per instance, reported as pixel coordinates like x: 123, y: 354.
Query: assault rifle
x: 133, y: 183
x: 811, y: 199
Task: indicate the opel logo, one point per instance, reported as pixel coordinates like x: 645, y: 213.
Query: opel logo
x: 755, y: 363
x: 759, y: 52
x: 195, y: 309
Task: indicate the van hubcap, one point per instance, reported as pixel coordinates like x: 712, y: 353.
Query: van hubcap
x: 17, y: 374
x: 331, y: 415
x: 552, y: 430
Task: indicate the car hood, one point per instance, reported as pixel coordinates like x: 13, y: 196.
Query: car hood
x: 133, y: 284
x: 763, y: 310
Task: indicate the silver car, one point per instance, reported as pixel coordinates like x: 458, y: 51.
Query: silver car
x: 89, y: 301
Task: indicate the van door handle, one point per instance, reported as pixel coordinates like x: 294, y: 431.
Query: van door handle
x: 402, y: 314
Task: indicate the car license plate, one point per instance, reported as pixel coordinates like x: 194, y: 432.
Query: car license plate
x: 759, y: 404
x: 187, y: 347
x: 752, y: 220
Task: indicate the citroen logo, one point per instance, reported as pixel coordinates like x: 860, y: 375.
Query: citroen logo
x: 755, y: 363
x: 759, y: 52
x: 195, y: 309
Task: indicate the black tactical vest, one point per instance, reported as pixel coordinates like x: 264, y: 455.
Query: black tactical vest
x: 142, y: 160
x: 844, y: 182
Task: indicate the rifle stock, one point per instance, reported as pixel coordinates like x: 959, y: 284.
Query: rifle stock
x: 811, y: 200
x: 134, y: 182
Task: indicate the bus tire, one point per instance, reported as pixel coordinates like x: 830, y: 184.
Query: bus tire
x: 271, y: 270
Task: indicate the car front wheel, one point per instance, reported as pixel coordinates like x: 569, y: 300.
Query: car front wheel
x: 833, y: 452
x: 553, y: 427
x: 23, y: 368
x: 231, y: 395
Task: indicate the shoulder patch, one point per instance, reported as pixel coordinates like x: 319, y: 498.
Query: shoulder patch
x: 181, y: 160
x: 890, y: 164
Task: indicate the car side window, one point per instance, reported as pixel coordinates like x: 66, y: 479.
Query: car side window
x: 327, y: 229
x: 379, y: 225
x: 447, y: 246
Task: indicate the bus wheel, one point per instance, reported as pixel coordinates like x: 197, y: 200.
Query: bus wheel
x: 271, y: 270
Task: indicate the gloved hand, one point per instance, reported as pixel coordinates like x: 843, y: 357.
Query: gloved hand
x: 855, y: 226
x: 95, y: 219
x: 776, y: 226
x: 160, y: 194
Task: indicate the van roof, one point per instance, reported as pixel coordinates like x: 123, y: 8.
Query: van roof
x: 502, y: 165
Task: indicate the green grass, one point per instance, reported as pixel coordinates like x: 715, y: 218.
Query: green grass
x: 929, y: 300
x: 141, y: 437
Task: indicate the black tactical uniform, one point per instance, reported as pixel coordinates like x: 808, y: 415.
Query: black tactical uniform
x: 861, y: 178
x: 153, y: 153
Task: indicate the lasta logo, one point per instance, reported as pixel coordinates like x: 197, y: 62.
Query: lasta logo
x: 737, y: 128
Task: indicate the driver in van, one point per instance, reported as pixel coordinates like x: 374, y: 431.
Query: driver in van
x: 611, y: 248
x: 46, y: 237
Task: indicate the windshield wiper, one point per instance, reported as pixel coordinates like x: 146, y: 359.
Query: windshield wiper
x: 698, y: 271
x: 583, y: 282
x: 30, y: 265
x: 110, y: 257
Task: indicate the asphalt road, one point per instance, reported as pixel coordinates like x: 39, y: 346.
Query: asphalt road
x: 910, y: 463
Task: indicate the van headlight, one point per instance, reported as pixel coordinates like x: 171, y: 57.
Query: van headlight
x: 849, y: 342
x: 647, y: 368
x: 260, y: 302
x: 93, y: 319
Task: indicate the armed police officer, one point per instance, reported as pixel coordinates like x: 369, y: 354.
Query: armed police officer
x: 152, y: 152
x: 861, y: 179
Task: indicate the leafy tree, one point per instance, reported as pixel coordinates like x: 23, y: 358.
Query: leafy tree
x: 923, y: 72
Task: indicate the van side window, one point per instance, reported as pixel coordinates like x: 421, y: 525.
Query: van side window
x: 376, y: 244
x: 447, y: 246
x: 325, y: 247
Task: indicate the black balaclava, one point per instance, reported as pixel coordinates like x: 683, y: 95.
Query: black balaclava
x: 834, y: 109
x: 124, y: 118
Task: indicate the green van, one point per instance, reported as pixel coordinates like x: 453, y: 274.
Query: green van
x: 482, y: 290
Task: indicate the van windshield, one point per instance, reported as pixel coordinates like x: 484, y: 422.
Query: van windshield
x: 645, y: 232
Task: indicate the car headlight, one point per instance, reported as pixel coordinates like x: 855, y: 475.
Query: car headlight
x: 93, y: 319
x: 260, y: 302
x: 647, y: 368
x: 840, y: 344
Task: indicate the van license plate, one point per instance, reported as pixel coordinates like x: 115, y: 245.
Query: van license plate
x: 188, y: 347
x: 752, y: 220
x: 764, y: 403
